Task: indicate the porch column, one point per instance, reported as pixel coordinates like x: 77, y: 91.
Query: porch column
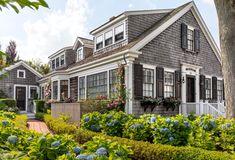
x: 183, y: 92
x: 129, y: 86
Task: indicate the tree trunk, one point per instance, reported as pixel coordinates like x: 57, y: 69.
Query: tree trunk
x: 226, y: 15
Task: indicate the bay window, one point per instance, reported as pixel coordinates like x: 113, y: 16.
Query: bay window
x: 97, y: 85
x: 148, y: 82
x: 108, y: 38
x: 168, y: 84
x: 119, y: 33
x: 62, y: 60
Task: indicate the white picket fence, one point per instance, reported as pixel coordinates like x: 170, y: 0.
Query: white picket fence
x: 215, y: 109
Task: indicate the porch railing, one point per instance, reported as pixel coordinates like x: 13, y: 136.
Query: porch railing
x: 215, y: 109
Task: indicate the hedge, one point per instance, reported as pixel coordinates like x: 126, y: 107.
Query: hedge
x: 9, y: 102
x: 142, y: 150
x: 40, y: 106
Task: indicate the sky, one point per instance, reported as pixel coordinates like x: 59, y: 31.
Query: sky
x: 40, y: 33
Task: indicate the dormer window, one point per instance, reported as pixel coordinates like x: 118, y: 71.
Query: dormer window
x: 20, y: 73
x: 79, y: 54
x: 53, y: 64
x: 99, y: 42
x: 57, y: 62
x: 62, y: 60
x: 108, y: 38
x: 119, y: 33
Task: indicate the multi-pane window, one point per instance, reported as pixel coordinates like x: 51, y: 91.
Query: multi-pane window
x: 53, y: 64
x: 62, y: 60
x: 119, y: 33
x: 82, y: 88
x: 99, y: 42
x: 33, y: 93
x: 220, y: 90
x: 79, y: 54
x: 148, y: 82
x: 168, y: 84
x: 112, y: 83
x: 97, y: 85
x: 190, y: 39
x: 20, y: 73
x: 208, y: 88
x: 57, y: 62
x: 64, y: 89
x: 108, y: 38
x: 55, y: 89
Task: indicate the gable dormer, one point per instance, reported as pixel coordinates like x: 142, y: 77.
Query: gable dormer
x: 111, y: 35
x: 83, y: 48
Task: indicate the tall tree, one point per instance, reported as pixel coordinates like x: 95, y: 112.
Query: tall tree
x: 16, y: 4
x: 39, y: 66
x: 11, y: 52
x: 226, y: 16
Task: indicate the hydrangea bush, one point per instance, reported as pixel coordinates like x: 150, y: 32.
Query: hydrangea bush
x: 91, y: 121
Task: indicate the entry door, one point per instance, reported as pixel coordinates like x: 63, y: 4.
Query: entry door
x: 190, y: 89
x: 21, y: 98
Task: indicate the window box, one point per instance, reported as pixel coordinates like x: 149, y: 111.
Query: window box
x: 148, y: 102
x: 171, y: 102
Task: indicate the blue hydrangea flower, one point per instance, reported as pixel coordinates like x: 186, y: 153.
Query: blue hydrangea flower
x: 102, y: 152
x: 29, y: 138
x: 12, y: 139
x: 186, y: 123
x: 55, y: 144
x: 168, y: 120
x: 166, y: 130
x: 82, y: 156
x: 68, y: 154
x: 77, y: 150
x: 42, y: 138
x: 119, y: 153
x: 212, y: 122
x: 223, y: 127
x: 139, y: 125
x: 5, y: 122
x: 202, y: 118
x: 132, y: 126
x: 115, y: 122
x: 86, y: 119
x: 228, y: 125
x: 176, y: 122
x: 205, y: 127
x: 110, y: 116
x: 93, y: 128
x: 90, y: 157
x: 171, y: 139
x: 153, y: 120
x: 110, y: 124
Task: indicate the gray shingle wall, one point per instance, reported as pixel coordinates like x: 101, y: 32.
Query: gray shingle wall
x: 7, y: 84
x: 165, y: 51
x: 70, y: 57
x: 137, y: 24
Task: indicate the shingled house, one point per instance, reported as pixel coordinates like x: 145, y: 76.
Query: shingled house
x: 166, y: 52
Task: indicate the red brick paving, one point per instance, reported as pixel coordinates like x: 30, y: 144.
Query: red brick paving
x: 38, y: 126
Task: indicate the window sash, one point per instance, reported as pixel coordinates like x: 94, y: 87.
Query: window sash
x: 168, y: 84
x: 190, y: 39
x: 55, y: 90
x: 119, y: 33
x: 148, y: 83
x: 53, y: 64
x: 82, y: 88
x: 62, y: 60
x: 57, y: 62
x: 79, y: 54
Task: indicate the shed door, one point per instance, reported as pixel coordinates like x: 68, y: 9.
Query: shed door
x: 21, y: 98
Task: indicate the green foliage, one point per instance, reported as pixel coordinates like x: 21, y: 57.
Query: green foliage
x: 39, y: 66
x: 91, y: 121
x: 92, y: 105
x: 2, y: 94
x: 9, y: 102
x: 8, y: 105
x: 39, y: 116
x: 15, y: 4
x: 171, y: 102
x: 113, y: 123
x: 40, y: 106
x: 174, y: 131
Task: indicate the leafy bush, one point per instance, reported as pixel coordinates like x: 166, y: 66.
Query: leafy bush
x: 92, y: 105
x: 40, y: 105
x: 174, y: 131
x: 39, y: 116
x: 8, y: 105
x: 9, y: 102
x: 113, y: 123
x: 91, y: 121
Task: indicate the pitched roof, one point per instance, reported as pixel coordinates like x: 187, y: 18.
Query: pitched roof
x: 26, y: 66
x: 60, y: 51
x: 84, y: 41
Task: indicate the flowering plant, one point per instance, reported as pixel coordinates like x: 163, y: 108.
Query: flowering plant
x: 171, y: 102
x: 117, y: 104
x: 47, y: 90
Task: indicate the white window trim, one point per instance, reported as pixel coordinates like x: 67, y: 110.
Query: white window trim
x: 113, y: 30
x: 26, y: 97
x: 18, y: 73
x: 58, y: 56
x: 173, y: 72
x: 33, y: 86
x: 192, y: 29
x: 77, y: 58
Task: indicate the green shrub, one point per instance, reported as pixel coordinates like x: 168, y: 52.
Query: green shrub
x: 39, y: 116
x: 9, y: 102
x: 40, y: 105
x: 174, y: 131
x: 144, y: 150
x: 91, y: 121
x: 113, y: 123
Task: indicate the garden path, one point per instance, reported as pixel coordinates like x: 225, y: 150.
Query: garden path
x: 38, y: 126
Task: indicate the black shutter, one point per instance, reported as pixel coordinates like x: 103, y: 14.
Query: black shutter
x: 184, y: 30
x: 177, y: 84
x: 138, y: 81
x: 160, y: 82
x: 196, y: 40
x: 214, y: 88
x: 202, y: 87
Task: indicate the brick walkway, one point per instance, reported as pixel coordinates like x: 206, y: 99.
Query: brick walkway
x: 38, y: 126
